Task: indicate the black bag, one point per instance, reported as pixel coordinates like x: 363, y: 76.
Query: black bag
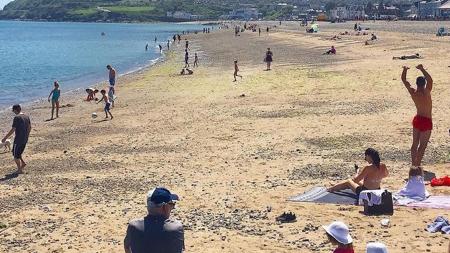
x: 386, y: 206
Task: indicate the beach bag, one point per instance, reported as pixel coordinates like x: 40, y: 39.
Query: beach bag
x: 385, y: 207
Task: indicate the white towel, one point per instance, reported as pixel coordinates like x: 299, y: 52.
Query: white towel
x: 414, y: 189
x: 373, y: 197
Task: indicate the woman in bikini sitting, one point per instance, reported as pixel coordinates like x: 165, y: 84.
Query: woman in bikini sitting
x: 369, y: 178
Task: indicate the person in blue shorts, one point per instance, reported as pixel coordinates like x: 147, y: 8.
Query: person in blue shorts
x: 55, y: 93
x: 107, y: 103
x: 112, y: 77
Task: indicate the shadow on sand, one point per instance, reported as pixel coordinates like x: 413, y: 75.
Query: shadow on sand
x: 9, y: 176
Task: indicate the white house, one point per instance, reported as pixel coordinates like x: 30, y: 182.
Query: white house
x: 179, y: 15
x: 428, y: 9
x: 339, y: 13
x: 244, y: 13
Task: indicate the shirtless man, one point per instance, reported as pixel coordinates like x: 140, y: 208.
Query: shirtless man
x: 422, y: 122
x: 112, y: 77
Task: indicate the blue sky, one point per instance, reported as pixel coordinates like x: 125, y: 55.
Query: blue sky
x: 4, y: 2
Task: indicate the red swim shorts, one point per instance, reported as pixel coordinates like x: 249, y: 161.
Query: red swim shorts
x: 422, y: 123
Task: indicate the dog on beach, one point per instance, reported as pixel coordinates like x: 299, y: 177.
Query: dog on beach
x: 6, y: 144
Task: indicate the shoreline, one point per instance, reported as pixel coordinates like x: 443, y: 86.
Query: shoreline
x: 74, y: 95
x: 73, y: 81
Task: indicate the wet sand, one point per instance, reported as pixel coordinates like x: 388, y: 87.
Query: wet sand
x: 234, y: 152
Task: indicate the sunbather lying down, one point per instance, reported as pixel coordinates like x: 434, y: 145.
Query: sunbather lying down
x: 335, y: 37
x: 407, y: 57
x: 186, y: 71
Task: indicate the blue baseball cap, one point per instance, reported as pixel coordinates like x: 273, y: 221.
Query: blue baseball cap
x: 160, y: 196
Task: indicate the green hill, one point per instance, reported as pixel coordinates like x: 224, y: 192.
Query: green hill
x: 112, y: 10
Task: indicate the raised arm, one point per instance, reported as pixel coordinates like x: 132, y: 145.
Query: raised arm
x: 405, y: 82
x: 427, y: 77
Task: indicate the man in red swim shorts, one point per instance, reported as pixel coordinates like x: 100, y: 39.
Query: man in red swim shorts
x: 422, y: 122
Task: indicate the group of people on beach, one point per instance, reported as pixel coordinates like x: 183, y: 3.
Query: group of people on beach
x: 370, y: 177
x: 21, y: 126
x: 106, y: 97
x: 158, y: 232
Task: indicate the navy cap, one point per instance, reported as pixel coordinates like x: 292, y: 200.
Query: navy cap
x: 160, y: 196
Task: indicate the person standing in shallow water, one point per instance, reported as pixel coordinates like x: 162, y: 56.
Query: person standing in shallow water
x: 422, y: 122
x: 269, y: 58
x: 21, y: 127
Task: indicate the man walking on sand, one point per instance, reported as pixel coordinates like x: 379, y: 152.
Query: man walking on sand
x: 21, y: 127
x: 422, y: 122
x: 156, y: 232
x: 112, y: 78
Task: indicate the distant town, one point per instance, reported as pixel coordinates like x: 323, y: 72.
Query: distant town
x: 301, y: 10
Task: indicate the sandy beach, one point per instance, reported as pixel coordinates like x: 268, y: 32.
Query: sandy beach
x: 234, y: 151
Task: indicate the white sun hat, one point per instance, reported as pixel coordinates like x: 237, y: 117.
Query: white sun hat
x: 376, y: 247
x: 339, y: 231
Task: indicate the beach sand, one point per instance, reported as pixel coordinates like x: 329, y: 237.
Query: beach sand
x: 233, y: 151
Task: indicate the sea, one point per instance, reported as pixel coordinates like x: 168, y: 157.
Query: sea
x: 35, y: 54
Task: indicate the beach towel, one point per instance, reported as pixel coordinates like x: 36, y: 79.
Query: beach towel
x: 320, y: 195
x: 414, y: 190
x: 434, y: 202
x: 373, y: 197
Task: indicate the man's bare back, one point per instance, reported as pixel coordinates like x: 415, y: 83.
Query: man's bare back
x: 422, y: 95
x: 422, y: 100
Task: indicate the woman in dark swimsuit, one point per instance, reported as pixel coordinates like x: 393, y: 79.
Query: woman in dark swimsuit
x: 368, y: 178
x: 268, y: 59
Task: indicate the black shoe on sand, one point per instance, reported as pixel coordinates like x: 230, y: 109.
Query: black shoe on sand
x: 286, y: 217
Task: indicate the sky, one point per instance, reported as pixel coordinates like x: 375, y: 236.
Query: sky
x: 4, y: 2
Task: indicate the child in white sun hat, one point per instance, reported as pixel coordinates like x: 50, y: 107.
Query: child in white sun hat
x: 376, y: 247
x: 338, y: 234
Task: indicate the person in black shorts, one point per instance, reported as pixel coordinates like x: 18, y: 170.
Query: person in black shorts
x: 21, y: 128
x: 156, y: 232
x: 268, y: 59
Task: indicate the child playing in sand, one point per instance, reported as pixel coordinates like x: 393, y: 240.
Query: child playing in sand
x: 236, y: 70
x: 91, y: 94
x: 338, y: 234
x: 331, y: 51
x: 107, y: 103
x: 55, y: 93
x: 415, y: 187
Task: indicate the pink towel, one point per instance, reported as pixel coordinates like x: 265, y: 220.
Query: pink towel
x: 435, y: 202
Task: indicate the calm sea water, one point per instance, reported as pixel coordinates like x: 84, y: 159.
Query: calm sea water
x: 34, y: 54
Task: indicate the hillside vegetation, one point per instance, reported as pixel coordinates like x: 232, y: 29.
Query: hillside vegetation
x: 108, y: 10
x: 150, y: 10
